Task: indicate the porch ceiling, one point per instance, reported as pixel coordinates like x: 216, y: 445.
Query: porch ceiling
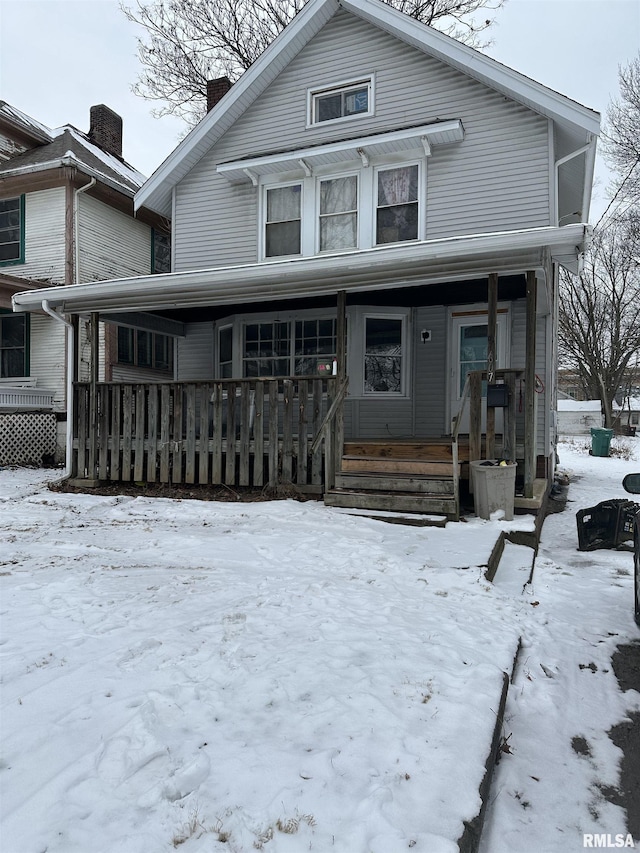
x: 419, y: 263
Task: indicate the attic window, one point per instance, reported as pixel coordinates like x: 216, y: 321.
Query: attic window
x: 345, y: 101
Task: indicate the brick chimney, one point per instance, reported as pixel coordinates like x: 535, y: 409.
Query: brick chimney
x: 216, y: 89
x: 105, y: 130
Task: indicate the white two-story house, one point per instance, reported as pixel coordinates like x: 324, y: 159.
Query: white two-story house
x: 366, y: 235
x: 66, y: 215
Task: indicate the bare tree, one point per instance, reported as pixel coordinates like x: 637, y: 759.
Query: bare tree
x: 187, y: 42
x: 621, y: 141
x: 599, y: 319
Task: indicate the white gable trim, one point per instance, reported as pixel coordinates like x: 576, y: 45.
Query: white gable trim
x: 156, y: 192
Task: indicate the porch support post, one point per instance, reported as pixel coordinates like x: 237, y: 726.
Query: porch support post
x: 341, y: 334
x: 341, y: 356
x: 530, y: 387
x: 93, y: 398
x: 492, y: 319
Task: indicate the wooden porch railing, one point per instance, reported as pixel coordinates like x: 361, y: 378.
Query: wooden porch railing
x: 472, y: 394
x: 233, y: 432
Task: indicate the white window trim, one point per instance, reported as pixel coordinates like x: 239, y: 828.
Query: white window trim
x: 388, y: 314
x: 238, y: 322
x: 422, y: 199
x: 331, y: 177
x: 367, y: 207
x: 263, y: 218
x: 340, y: 86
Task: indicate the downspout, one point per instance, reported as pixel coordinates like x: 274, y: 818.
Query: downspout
x: 76, y: 229
x: 69, y: 389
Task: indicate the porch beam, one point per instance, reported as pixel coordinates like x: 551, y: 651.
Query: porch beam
x: 147, y: 322
x: 530, y: 386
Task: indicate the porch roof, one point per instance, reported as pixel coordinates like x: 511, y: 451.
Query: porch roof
x: 380, y: 268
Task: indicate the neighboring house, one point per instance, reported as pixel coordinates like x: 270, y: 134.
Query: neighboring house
x: 66, y: 215
x: 578, y: 417
x: 372, y: 203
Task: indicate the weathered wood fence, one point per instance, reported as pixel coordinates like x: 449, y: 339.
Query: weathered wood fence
x: 236, y: 432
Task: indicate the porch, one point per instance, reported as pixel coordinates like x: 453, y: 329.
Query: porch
x: 279, y: 432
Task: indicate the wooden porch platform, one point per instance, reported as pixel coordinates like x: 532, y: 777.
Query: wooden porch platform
x: 409, y: 475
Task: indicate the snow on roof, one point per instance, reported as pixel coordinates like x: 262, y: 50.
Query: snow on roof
x: 115, y: 164
x: 17, y: 117
x: 68, y: 142
x: 629, y: 404
x: 579, y: 406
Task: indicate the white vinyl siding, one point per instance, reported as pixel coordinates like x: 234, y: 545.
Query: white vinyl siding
x: 195, y: 353
x: 112, y: 244
x: 496, y: 179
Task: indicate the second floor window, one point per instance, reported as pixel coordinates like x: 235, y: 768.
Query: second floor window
x: 283, y: 221
x: 339, y: 213
x: 12, y: 230
x: 397, y: 210
x: 343, y: 212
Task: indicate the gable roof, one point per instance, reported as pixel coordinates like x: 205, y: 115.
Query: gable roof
x: 580, y: 122
x: 66, y: 146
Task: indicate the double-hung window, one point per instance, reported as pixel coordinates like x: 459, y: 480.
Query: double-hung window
x: 338, y: 213
x: 12, y: 230
x: 13, y: 345
x: 397, y: 204
x: 283, y: 221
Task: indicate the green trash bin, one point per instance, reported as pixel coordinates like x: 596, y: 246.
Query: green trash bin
x: 600, y: 441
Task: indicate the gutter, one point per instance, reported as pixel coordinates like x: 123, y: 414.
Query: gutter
x: 69, y: 160
x: 376, y: 268
x: 69, y: 383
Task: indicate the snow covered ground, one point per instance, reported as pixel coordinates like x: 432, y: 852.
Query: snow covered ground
x: 287, y: 677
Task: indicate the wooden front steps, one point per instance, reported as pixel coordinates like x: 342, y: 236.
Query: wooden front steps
x: 400, y: 476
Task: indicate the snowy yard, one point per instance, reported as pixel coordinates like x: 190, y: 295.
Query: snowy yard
x: 284, y: 676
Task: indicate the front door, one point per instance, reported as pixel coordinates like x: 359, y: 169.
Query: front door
x: 469, y: 332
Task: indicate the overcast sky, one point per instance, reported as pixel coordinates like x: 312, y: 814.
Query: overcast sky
x: 58, y: 57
